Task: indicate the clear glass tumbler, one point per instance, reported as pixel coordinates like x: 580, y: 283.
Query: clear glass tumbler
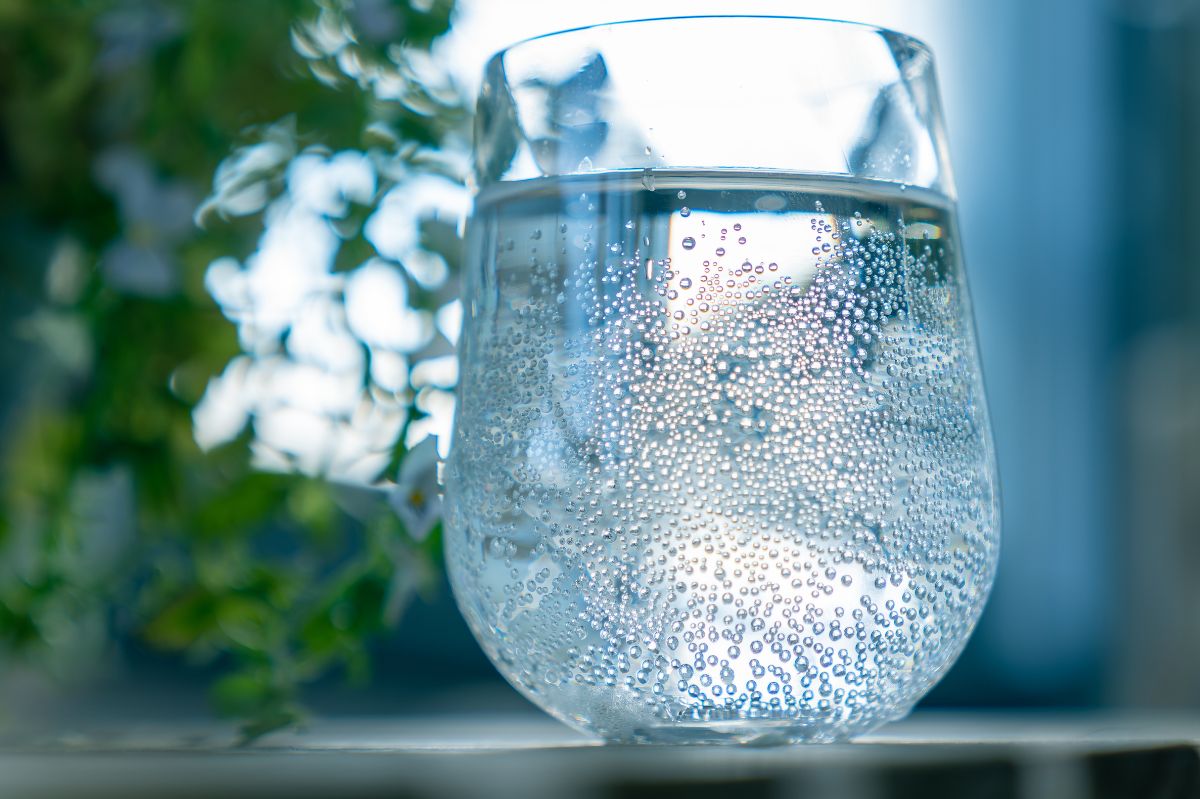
x: 722, y: 468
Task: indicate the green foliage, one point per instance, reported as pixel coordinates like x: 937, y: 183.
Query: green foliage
x: 106, y: 502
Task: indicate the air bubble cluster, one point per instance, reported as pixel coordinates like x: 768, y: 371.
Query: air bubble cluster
x: 709, y: 493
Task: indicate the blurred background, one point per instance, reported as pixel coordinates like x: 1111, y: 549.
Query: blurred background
x: 228, y: 303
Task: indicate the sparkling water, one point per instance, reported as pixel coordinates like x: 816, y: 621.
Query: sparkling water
x: 722, y: 468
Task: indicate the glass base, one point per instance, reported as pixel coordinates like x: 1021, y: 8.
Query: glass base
x: 745, y: 732
x: 741, y: 733
x: 619, y: 722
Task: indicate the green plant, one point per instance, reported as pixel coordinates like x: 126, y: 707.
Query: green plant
x: 114, y: 116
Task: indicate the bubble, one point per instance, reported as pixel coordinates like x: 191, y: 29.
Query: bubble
x: 688, y: 243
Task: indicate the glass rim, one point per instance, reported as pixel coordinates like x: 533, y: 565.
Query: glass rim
x: 863, y: 27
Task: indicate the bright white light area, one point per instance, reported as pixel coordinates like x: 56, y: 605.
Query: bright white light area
x: 393, y: 229
x: 327, y: 186
x: 484, y: 26
x: 438, y: 421
x: 449, y: 320
x: 377, y: 309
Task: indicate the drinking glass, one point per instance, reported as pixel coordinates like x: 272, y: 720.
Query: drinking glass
x: 722, y: 468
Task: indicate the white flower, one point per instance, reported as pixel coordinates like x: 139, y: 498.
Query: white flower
x: 415, y: 498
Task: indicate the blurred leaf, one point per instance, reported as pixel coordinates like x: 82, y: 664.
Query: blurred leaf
x: 267, y: 718
x: 190, y: 619
x: 309, y: 503
x: 248, y: 501
x: 242, y: 694
x: 245, y: 620
x: 251, y: 694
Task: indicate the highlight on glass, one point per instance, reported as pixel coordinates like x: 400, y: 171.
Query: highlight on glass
x: 722, y: 467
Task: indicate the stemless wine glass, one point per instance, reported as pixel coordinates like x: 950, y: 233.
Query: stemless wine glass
x: 722, y: 468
